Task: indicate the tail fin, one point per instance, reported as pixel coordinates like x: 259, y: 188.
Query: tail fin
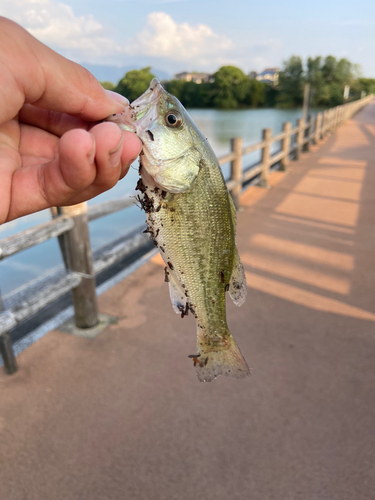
x: 225, y: 359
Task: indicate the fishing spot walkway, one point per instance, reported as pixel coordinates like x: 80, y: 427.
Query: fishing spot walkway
x: 123, y: 416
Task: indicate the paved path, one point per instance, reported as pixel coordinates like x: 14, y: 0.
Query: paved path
x: 124, y: 417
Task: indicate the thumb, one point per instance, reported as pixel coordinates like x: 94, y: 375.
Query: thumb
x: 33, y: 73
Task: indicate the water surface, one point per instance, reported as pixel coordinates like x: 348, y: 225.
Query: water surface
x: 218, y: 126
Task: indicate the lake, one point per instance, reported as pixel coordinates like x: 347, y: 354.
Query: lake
x: 218, y: 126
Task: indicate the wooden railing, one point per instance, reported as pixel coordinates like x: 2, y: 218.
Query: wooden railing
x: 293, y: 140
x: 70, y: 224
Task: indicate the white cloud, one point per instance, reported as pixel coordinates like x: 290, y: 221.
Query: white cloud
x: 162, y: 37
x: 56, y: 25
x: 162, y: 42
x: 85, y: 39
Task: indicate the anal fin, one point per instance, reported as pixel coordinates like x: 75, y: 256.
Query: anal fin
x: 237, y: 283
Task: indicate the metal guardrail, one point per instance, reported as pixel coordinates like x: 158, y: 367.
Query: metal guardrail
x: 70, y: 224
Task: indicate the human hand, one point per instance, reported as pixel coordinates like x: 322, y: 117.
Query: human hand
x: 52, y: 151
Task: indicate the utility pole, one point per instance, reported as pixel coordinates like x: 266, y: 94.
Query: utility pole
x: 306, y: 102
x: 346, y: 92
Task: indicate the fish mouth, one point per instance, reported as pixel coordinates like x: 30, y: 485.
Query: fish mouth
x: 144, y: 109
x: 141, y: 112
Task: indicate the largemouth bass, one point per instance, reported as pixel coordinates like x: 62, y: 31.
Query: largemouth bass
x: 192, y: 219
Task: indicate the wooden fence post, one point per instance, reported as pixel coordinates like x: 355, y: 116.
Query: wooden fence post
x: 324, y: 124
x: 306, y: 135
x: 285, y: 146
x: 332, y: 121
x: 299, y: 138
x: 336, y: 121
x: 6, y: 349
x: 306, y: 101
x: 266, y: 153
x: 79, y: 260
x: 329, y: 122
x: 318, y: 132
x: 236, y: 170
x: 55, y: 212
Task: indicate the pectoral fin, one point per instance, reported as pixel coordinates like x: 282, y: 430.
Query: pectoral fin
x: 178, y: 298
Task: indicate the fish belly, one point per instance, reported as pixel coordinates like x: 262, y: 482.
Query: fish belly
x: 195, y: 233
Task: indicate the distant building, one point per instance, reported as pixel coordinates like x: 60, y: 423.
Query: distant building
x: 269, y: 75
x: 195, y: 77
x: 252, y: 75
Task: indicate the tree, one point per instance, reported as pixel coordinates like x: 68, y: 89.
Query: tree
x: 314, y: 76
x: 134, y: 83
x: 367, y: 84
x: 108, y: 85
x: 197, y: 95
x: 329, y: 79
x: 271, y: 95
x: 344, y: 72
x: 329, y: 68
x: 256, y: 93
x: 291, y: 82
x: 230, y: 87
x: 191, y: 94
x: 176, y: 88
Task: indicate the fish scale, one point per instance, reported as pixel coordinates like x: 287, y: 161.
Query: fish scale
x: 192, y: 219
x: 197, y: 256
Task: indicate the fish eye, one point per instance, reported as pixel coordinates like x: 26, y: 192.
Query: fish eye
x: 173, y: 119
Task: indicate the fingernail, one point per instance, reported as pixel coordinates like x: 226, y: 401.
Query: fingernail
x: 117, y: 97
x: 91, y: 153
x: 115, y: 154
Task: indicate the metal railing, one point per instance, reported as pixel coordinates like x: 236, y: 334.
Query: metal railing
x: 70, y: 224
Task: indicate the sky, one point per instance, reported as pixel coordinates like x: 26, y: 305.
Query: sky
x: 188, y: 35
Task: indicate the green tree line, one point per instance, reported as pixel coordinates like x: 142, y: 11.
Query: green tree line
x: 327, y: 77
x: 233, y: 89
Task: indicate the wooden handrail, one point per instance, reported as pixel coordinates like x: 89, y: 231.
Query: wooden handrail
x: 253, y: 147
x: 110, y: 206
x: 35, y: 235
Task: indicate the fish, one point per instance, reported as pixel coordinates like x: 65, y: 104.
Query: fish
x: 192, y: 219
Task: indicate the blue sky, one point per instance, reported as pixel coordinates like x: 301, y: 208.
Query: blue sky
x: 177, y: 35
